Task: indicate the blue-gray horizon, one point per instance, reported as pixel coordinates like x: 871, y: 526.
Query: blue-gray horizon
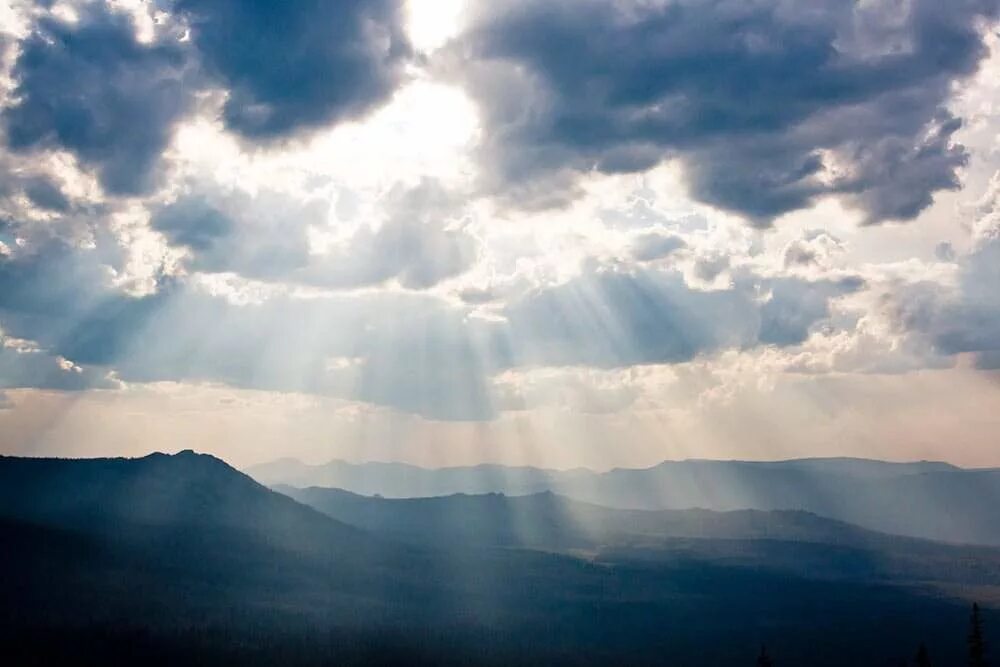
x: 554, y: 233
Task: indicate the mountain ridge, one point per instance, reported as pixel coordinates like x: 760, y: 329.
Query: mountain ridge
x: 689, y: 522
x: 262, y: 466
x: 916, y: 498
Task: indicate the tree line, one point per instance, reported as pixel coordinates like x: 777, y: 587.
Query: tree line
x: 975, y: 642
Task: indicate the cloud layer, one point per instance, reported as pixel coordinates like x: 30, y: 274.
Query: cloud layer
x: 768, y: 104
x: 91, y: 88
x: 290, y: 66
x: 176, y: 204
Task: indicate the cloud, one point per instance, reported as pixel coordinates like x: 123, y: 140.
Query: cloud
x: 422, y: 296
x: 44, y: 193
x: 91, y: 88
x: 44, y: 292
x: 710, y: 266
x: 414, y: 354
x: 418, y: 354
x: 291, y: 66
x: 262, y: 236
x: 24, y: 366
x: 945, y: 252
x: 793, y: 307
x: 63, y: 299
x: 652, y: 246
x: 51, y: 280
x: 614, y: 318
x: 88, y: 85
x: 431, y: 361
x: 415, y: 245
x: 411, y: 352
x: 27, y: 178
x: 265, y: 236
x: 964, y: 318
x: 813, y: 249
x: 768, y: 104
x: 575, y: 390
x: 970, y: 320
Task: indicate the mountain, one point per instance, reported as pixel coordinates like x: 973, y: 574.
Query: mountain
x: 401, y: 480
x: 190, y: 514
x: 549, y: 521
x: 183, y: 560
x: 930, y: 500
x: 184, y: 490
x: 792, y: 541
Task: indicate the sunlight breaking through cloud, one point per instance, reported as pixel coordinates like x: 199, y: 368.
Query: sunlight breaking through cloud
x: 509, y: 224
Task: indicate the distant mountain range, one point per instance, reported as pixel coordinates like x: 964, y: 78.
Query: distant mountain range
x: 401, y: 480
x: 930, y: 500
x: 752, y: 537
x: 183, y: 560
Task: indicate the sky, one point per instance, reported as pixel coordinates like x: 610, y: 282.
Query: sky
x: 548, y: 232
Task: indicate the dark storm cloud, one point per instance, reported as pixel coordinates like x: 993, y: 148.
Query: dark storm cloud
x: 44, y: 193
x: 265, y: 237
x: 91, y: 88
x: 20, y: 177
x: 299, y: 64
x: 618, y: 318
x: 768, y: 103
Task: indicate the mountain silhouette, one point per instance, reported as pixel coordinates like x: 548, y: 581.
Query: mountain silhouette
x: 401, y: 480
x: 789, y: 540
x: 186, y: 490
x: 923, y: 499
